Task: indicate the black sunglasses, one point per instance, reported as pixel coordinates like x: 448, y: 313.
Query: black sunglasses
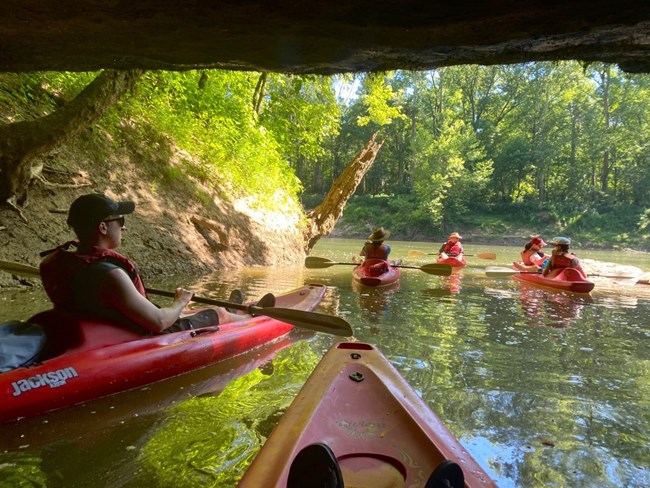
x: 120, y: 220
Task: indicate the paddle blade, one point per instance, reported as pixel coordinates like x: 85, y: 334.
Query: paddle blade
x: 308, y: 320
x: 437, y: 269
x: 314, y: 262
x: 20, y: 269
x: 416, y: 254
x: 486, y: 255
x: 497, y: 272
x: 298, y: 318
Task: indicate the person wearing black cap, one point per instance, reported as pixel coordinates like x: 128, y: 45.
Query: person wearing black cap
x: 97, y: 280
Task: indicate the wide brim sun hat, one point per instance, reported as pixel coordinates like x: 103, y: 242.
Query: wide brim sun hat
x: 379, y: 234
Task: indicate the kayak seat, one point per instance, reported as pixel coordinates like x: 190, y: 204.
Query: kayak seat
x: 315, y: 466
x: 446, y: 475
x: 67, y: 333
x: 567, y: 274
x: 378, y: 269
x: 573, y: 274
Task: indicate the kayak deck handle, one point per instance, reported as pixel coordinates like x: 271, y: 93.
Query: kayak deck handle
x: 205, y: 330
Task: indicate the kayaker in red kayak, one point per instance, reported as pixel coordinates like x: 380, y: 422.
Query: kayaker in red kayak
x: 98, y: 281
x: 375, y: 248
x: 452, y: 248
x: 561, y: 257
x: 532, y: 255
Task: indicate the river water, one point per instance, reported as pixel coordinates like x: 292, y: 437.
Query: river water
x: 543, y: 388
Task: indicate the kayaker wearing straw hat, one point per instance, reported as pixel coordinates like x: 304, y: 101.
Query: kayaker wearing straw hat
x: 561, y: 257
x: 375, y: 248
x: 97, y: 281
x: 452, y: 248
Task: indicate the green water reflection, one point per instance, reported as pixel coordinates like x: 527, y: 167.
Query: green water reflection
x: 543, y: 388
x: 210, y: 440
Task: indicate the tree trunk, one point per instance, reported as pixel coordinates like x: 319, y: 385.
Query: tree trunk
x: 414, y: 132
x: 22, y: 142
x: 324, y: 217
x: 604, y: 174
x: 258, y: 95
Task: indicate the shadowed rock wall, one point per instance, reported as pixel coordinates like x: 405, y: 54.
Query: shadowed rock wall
x: 318, y: 36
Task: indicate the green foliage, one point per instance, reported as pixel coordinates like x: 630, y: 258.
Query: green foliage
x: 560, y: 142
x: 302, y: 113
x: 451, y: 173
x: 616, y: 226
x: 378, y: 98
x: 557, y: 141
x: 38, y: 93
x: 210, y: 116
x: 401, y: 214
x: 644, y: 221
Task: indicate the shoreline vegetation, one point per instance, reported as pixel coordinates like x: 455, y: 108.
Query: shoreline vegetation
x: 222, y: 184
x: 347, y: 229
x: 484, y: 239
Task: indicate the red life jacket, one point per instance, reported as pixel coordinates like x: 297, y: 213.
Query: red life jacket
x: 60, y: 268
x: 451, y: 249
x: 532, y: 257
x: 375, y: 252
x: 563, y: 260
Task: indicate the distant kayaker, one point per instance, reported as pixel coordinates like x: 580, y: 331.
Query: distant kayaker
x: 561, y: 257
x: 452, y: 248
x: 532, y: 255
x: 96, y: 280
x: 375, y: 248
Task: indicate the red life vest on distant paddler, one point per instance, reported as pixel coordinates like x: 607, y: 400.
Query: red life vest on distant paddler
x: 532, y: 257
x: 451, y: 249
x: 563, y: 260
x: 60, y: 270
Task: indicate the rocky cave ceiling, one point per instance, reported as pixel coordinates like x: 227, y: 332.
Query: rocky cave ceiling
x: 318, y: 36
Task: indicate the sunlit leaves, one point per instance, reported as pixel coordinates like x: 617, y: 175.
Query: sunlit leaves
x: 301, y: 112
x: 210, y: 115
x: 378, y: 97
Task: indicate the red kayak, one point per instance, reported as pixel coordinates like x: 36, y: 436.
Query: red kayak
x: 456, y: 262
x: 376, y: 272
x: 108, y: 359
x: 379, y: 430
x: 565, y: 279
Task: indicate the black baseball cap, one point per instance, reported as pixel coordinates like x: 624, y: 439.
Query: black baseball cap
x: 91, y: 209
